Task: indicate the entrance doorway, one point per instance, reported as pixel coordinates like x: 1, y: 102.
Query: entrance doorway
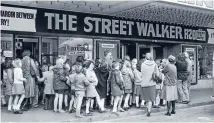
x: 128, y: 49
x: 155, y: 50
x: 27, y: 43
x: 142, y: 50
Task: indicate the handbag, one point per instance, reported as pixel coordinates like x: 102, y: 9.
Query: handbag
x: 156, y: 77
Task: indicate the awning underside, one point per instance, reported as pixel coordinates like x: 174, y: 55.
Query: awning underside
x: 174, y: 14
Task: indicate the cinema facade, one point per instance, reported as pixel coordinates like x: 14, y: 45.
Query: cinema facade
x: 50, y: 33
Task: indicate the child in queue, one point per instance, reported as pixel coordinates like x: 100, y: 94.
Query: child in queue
x: 48, y: 78
x: 91, y: 91
x: 137, y: 82
x: 18, y: 87
x: 117, y: 87
x: 81, y: 83
x: 127, y: 77
x: 8, y: 76
x: 71, y: 83
x: 67, y: 90
x: 59, y: 84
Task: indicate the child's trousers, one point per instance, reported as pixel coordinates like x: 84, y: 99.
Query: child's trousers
x: 49, y: 99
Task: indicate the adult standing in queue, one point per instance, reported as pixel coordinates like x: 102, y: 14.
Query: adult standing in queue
x: 108, y: 59
x: 182, y: 74
x: 189, y: 69
x: 29, y: 72
x: 102, y: 74
x: 170, y: 92
x: 148, y: 85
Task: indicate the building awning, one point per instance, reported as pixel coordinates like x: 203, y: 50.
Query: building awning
x: 167, y: 11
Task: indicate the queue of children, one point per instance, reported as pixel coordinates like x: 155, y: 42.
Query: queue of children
x: 117, y: 83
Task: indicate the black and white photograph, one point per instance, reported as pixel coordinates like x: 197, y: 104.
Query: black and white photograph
x: 107, y: 60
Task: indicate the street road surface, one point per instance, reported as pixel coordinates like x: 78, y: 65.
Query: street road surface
x: 195, y: 114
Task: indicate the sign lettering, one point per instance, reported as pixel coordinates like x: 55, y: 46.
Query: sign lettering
x: 68, y: 22
x: 100, y: 26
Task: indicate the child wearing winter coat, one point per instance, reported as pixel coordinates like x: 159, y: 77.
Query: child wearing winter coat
x: 91, y: 91
x: 48, y: 78
x: 71, y: 83
x: 8, y: 80
x: 18, y: 87
x: 81, y: 83
x: 59, y: 84
x: 117, y: 87
x: 127, y: 77
x: 137, y: 82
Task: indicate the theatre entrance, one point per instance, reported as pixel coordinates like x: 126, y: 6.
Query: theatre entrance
x: 155, y: 50
x: 27, y: 43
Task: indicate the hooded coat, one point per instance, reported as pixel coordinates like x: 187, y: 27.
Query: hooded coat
x: 117, y: 83
x: 148, y: 67
x: 102, y: 74
x: 59, y: 82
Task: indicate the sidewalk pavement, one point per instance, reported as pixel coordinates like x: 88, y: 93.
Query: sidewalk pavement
x: 198, y: 97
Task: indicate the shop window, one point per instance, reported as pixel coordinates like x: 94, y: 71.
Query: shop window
x: 73, y: 47
x: 7, y: 45
x: 49, y: 50
x: 206, y: 61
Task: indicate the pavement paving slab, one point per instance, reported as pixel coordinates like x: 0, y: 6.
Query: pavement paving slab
x: 198, y: 97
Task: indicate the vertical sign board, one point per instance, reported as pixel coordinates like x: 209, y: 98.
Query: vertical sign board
x: 192, y: 51
x: 210, y: 36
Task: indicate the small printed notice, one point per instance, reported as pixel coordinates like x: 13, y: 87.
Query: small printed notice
x: 107, y: 45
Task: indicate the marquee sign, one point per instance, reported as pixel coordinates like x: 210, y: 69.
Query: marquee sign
x: 68, y: 22
x: 55, y: 21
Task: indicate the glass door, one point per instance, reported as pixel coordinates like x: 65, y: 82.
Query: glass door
x: 49, y: 50
x: 27, y: 43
